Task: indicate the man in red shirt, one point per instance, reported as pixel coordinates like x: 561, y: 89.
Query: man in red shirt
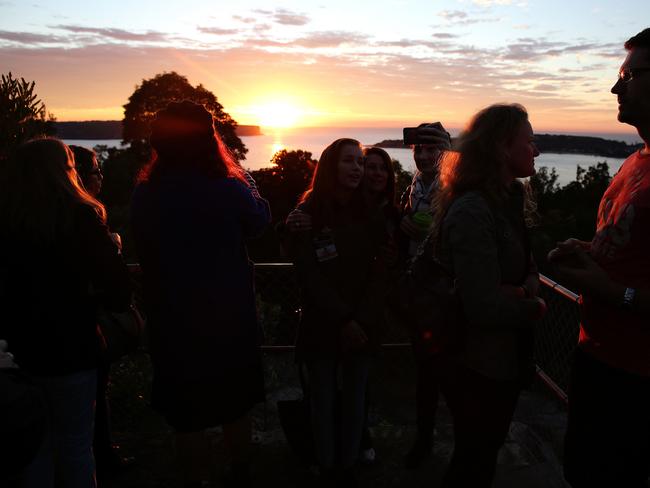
x: 608, y: 436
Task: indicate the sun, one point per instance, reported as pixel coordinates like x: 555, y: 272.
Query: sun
x: 277, y: 114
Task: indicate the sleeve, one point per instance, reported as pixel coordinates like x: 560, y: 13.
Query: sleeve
x: 472, y: 239
x: 254, y: 211
x: 108, y: 272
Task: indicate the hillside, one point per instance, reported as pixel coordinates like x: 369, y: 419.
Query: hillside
x: 550, y: 143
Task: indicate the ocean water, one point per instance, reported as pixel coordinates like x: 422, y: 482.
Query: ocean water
x: 262, y: 148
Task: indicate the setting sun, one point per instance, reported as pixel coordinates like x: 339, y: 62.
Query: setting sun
x: 277, y: 114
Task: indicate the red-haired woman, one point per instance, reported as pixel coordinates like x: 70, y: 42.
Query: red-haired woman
x: 192, y: 214
x: 484, y: 241
x: 334, y: 261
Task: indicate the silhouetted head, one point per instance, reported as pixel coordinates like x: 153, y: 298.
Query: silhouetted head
x: 89, y: 172
x: 496, y: 147
x: 339, y: 169
x: 40, y: 188
x: 632, y: 88
x: 183, y: 136
x: 379, y: 175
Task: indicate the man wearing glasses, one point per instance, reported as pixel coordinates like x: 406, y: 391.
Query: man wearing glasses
x: 608, y: 436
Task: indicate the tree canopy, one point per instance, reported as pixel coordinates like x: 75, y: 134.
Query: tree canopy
x: 22, y: 114
x: 155, y: 93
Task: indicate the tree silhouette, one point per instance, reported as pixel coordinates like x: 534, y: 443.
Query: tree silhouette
x: 155, y: 93
x: 22, y: 114
x: 285, y: 180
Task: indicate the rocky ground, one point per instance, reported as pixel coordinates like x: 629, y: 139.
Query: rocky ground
x: 529, y: 459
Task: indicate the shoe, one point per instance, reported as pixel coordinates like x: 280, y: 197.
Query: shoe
x: 420, y: 451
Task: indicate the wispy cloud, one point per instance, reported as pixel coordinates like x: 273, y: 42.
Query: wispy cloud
x: 30, y: 37
x: 217, y: 31
x: 284, y: 17
x: 117, y: 34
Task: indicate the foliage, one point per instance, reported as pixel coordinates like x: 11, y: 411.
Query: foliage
x: 284, y: 182
x: 568, y: 211
x: 155, y: 94
x: 403, y: 179
x: 22, y: 114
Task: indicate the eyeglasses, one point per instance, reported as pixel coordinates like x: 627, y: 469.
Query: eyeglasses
x: 628, y: 74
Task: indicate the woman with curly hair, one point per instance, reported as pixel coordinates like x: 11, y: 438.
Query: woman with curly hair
x: 484, y: 241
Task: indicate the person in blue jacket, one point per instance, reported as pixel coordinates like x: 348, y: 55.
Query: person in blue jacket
x: 192, y: 213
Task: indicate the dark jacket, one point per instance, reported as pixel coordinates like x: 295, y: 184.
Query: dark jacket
x: 48, y: 306
x: 340, y: 285
x: 190, y: 233
x: 485, y: 245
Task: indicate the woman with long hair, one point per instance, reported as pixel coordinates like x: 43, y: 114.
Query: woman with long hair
x: 58, y: 260
x: 192, y: 214
x: 484, y: 241
x: 334, y: 263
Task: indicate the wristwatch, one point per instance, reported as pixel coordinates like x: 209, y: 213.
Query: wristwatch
x: 628, y: 298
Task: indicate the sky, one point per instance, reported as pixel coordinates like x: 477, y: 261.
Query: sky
x: 336, y: 63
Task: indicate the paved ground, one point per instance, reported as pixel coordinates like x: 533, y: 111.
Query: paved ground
x: 529, y: 459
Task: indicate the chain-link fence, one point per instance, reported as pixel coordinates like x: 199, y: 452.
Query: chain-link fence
x: 557, y: 334
x: 278, y: 303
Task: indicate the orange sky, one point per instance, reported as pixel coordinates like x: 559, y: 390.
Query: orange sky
x: 315, y: 66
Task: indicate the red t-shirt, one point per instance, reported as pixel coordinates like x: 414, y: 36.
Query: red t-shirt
x: 621, y: 246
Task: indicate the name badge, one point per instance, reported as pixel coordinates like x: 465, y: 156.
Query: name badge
x: 324, y: 246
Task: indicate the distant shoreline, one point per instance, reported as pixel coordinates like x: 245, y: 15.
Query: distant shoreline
x: 559, y: 144
x: 112, y: 129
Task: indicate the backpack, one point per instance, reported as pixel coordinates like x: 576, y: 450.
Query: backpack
x: 426, y: 301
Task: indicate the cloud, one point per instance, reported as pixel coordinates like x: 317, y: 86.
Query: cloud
x: 30, y: 38
x: 459, y: 17
x: 117, y: 34
x: 217, y: 31
x: 453, y: 14
x: 445, y: 35
x: 323, y: 39
x: 489, y: 3
x: 283, y: 16
x: 244, y: 20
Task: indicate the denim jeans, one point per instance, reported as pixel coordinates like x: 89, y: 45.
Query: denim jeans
x: 67, y: 448
x: 323, y: 376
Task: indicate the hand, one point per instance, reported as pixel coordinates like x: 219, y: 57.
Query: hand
x: 567, y: 248
x: 513, y: 291
x: 6, y: 358
x: 411, y: 229
x: 583, y: 274
x: 298, y: 220
x: 435, y: 135
x: 352, y: 336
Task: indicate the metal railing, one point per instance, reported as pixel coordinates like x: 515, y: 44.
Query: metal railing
x: 278, y: 304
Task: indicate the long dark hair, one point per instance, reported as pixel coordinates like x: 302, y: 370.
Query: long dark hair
x: 183, y: 136
x: 389, y: 191
x: 40, y: 188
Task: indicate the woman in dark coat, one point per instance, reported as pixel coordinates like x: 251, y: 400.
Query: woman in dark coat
x: 192, y: 214
x: 335, y: 264
x: 58, y: 261
x: 484, y: 241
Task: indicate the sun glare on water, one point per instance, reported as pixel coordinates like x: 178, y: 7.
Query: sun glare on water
x: 277, y: 114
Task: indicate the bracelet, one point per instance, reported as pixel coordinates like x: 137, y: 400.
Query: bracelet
x: 628, y: 298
